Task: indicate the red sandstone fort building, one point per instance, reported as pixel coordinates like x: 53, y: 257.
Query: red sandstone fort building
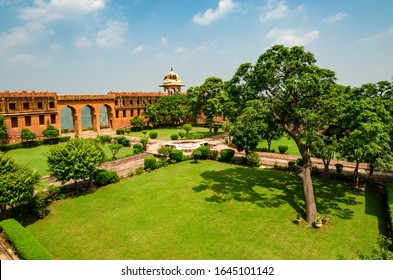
x: 36, y: 110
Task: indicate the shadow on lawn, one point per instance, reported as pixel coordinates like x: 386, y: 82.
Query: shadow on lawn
x: 272, y: 188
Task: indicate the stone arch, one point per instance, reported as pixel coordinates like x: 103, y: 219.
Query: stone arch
x: 89, y: 117
x: 106, y: 114
x: 68, y: 112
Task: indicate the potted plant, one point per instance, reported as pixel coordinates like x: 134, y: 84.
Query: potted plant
x: 325, y: 219
x: 318, y: 222
x: 298, y: 218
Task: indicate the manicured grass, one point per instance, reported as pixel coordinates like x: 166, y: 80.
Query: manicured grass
x: 210, y: 210
x: 292, y: 148
x: 165, y: 133
x: 35, y: 158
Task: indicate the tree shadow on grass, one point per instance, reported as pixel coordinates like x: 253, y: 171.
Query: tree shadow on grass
x: 272, y: 188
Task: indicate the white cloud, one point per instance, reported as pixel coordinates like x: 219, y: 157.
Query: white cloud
x: 224, y: 7
x: 337, y: 17
x: 112, y: 36
x: 138, y: 49
x: 278, y: 9
x: 377, y: 37
x: 60, y: 9
x: 180, y: 50
x: 292, y: 37
x: 24, y: 58
x: 82, y: 42
x: 164, y: 41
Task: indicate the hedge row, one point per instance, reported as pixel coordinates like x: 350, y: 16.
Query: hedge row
x: 34, y: 143
x: 389, y: 191
x: 23, y: 241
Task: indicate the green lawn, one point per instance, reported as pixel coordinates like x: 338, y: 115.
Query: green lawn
x: 35, y: 158
x: 210, y: 210
x: 292, y: 148
x: 165, y: 133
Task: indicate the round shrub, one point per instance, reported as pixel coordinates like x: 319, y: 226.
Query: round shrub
x: 283, y: 149
x: 150, y: 162
x: 137, y: 148
x: 205, y: 151
x: 197, y: 154
x: 213, y: 154
x: 120, y: 140
x: 105, y: 138
x: 253, y: 159
x: 174, y: 136
x: 120, y: 131
x: 165, y: 151
x: 139, y: 171
x: 176, y: 155
x: 144, y: 141
x: 38, y: 204
x: 227, y: 154
x: 153, y: 135
x: 182, y: 134
x: 187, y: 128
x: 105, y: 177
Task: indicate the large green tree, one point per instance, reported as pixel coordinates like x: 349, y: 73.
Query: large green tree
x: 74, y: 160
x: 3, y: 128
x: 169, y: 109
x: 16, y: 184
x: 299, y: 95
x: 137, y: 122
x: 207, y: 99
x: 27, y: 135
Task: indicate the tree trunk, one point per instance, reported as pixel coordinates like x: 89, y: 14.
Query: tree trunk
x: 3, y: 211
x: 269, y: 144
x: 356, y: 175
x: 326, y: 173
x: 370, y: 175
x: 91, y: 184
x: 211, y: 128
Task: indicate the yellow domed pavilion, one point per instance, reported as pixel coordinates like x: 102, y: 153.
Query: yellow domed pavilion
x: 172, y: 83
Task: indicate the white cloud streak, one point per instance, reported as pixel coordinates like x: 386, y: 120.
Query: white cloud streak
x: 82, y: 42
x: 275, y: 10
x: 292, y: 37
x: 112, y: 36
x: 337, y: 17
x: 378, y: 37
x: 138, y: 49
x: 164, y: 41
x: 224, y: 7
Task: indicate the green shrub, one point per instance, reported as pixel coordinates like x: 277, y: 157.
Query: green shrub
x: 253, y: 159
x: 153, y: 135
x: 64, y: 138
x: 150, y: 162
x: 144, y: 141
x: 187, y: 128
x: 103, y: 177
x: 176, y: 155
x: 126, y: 143
x: 213, y: 154
x: 127, y: 130
x: 23, y: 241
x: 105, y: 139
x: 38, y: 204
x: 165, y: 151
x: 20, y: 212
x: 174, y: 136
x: 13, y: 146
x: 300, y: 161
x: 139, y: 171
x: 182, y: 134
x: 120, y: 131
x: 205, y: 152
x: 283, y: 149
x: 137, y: 148
x: 197, y: 154
x: 291, y: 165
x: 227, y: 155
x: 56, y: 193
x: 339, y: 168
x: 389, y: 192
x: 120, y: 139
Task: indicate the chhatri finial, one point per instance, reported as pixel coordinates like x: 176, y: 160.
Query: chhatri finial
x: 172, y: 68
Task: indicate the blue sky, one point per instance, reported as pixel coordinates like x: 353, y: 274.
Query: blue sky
x: 95, y: 46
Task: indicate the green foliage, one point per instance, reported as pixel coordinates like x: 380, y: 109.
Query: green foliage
x: 74, y: 160
x: 282, y: 149
x: 50, y: 132
x: 196, y: 154
x: 64, y: 138
x: 115, y: 148
x: 120, y: 131
x: 165, y: 151
x: 205, y: 152
x: 380, y: 251
x: 104, y: 139
x: 16, y: 183
x: 56, y: 193
x: 153, y: 135
x: 213, y: 155
x: 139, y: 171
x: 187, y: 127
x: 137, y: 148
x: 339, y: 168
x: 174, y: 137
x: 389, y: 193
x: 13, y: 146
x: 3, y: 127
x: 137, y: 122
x: 253, y: 159
x: 38, y: 204
x: 103, y: 177
x: 216, y: 127
x: 27, y: 135
x: 23, y: 241
x: 120, y: 139
x: 227, y: 155
x: 150, y: 162
x: 144, y: 141
x: 176, y: 155
x: 182, y: 134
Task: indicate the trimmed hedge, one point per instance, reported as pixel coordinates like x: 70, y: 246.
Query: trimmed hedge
x: 150, y: 162
x: 23, y: 241
x: 389, y: 192
x: 153, y: 135
x: 174, y: 137
x: 176, y: 155
x: 137, y: 148
x: 205, y: 152
x: 227, y: 155
x: 103, y: 177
